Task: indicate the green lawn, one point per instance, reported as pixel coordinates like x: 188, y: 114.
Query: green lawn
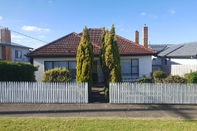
x: 96, y: 124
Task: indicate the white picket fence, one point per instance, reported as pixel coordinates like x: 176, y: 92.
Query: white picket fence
x: 153, y: 93
x: 37, y: 92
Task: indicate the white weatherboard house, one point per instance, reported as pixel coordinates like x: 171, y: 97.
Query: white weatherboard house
x: 135, y: 59
x: 11, y: 51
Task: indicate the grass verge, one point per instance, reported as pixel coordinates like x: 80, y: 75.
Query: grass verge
x: 96, y: 124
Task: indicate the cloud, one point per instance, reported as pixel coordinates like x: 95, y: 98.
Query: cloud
x: 143, y: 13
x: 34, y: 28
x: 172, y: 12
x: 16, y: 36
x: 41, y: 36
x: 1, y: 17
x: 153, y: 16
x: 18, y: 40
x: 50, y: 1
x: 123, y: 30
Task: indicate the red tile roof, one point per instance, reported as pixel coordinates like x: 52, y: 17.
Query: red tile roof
x: 67, y: 46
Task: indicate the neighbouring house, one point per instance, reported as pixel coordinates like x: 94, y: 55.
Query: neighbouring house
x: 135, y: 58
x: 157, y: 61
x: 182, y: 57
x: 11, y: 51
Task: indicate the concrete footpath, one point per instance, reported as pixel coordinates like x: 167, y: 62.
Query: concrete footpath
x: 99, y: 110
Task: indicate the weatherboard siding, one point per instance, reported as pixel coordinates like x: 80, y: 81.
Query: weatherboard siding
x: 145, y: 65
x: 24, y: 51
x: 182, y: 61
x: 40, y: 62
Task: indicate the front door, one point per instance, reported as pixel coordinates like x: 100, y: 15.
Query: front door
x: 95, y: 72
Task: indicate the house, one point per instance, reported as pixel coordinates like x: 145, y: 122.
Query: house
x: 175, y: 55
x: 12, y: 51
x: 157, y: 61
x: 135, y: 58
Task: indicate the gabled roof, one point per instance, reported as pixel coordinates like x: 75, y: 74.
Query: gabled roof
x: 14, y: 45
x: 180, y: 50
x: 67, y: 46
x: 159, y: 48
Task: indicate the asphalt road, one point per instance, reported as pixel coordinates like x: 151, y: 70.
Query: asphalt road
x: 99, y: 110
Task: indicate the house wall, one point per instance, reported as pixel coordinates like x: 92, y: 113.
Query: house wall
x: 145, y: 65
x: 23, y: 50
x: 99, y: 69
x: 0, y: 53
x: 182, y: 62
x: 156, y: 61
x: 40, y: 62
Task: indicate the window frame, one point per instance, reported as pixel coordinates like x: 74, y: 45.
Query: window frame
x: 131, y: 65
x: 135, y: 66
x: 61, y: 61
x: 17, y: 54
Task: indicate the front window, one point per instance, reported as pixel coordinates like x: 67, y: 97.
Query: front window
x: 18, y: 54
x: 69, y: 65
x: 130, y: 69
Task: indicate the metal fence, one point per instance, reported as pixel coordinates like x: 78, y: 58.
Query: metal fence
x: 153, y: 93
x: 37, y: 92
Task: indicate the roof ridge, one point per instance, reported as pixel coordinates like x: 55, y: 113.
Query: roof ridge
x: 125, y: 39
x: 97, y: 46
x: 95, y: 28
x: 136, y: 44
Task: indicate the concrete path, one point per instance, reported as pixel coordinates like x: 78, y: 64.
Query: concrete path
x: 99, y: 110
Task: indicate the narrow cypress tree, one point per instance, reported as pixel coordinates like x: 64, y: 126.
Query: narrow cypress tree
x: 112, y: 57
x: 117, y: 77
x: 102, y: 55
x: 84, y: 59
x: 102, y: 49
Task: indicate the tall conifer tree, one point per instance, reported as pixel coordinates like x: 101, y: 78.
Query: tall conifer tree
x: 102, y: 55
x: 84, y: 59
x: 116, y: 73
x: 110, y: 58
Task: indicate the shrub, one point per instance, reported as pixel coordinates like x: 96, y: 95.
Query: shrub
x: 174, y: 79
x: 158, y: 76
x: 186, y: 76
x: 144, y: 80
x: 16, y: 71
x: 106, y: 91
x: 57, y: 75
x: 193, y: 77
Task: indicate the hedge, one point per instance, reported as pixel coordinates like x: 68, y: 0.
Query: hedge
x: 15, y: 71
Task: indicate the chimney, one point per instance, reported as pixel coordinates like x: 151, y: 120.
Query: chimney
x: 6, y: 49
x: 5, y: 36
x: 145, y: 36
x: 136, y: 37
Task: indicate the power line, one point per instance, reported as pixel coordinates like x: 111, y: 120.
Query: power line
x: 26, y: 35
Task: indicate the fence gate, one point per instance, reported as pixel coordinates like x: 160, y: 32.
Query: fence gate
x: 153, y: 93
